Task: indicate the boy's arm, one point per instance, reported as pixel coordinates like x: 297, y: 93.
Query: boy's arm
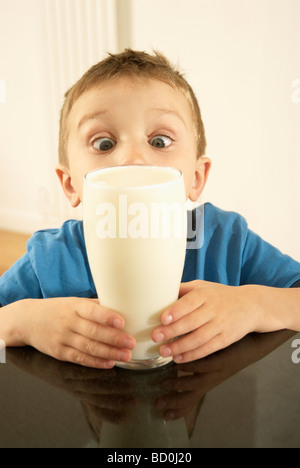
x: 69, y: 329
x: 19, y: 282
x: 209, y: 317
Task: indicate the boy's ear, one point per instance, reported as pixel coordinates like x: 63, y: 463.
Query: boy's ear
x: 200, y: 178
x: 66, y: 183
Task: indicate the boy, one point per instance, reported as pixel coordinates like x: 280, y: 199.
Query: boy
x: 135, y: 108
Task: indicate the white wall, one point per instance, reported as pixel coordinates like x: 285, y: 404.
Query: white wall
x: 241, y: 56
x: 45, y: 46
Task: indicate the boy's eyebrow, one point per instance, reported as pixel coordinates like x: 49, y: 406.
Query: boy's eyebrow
x: 96, y: 115
x: 165, y: 110
x: 92, y: 116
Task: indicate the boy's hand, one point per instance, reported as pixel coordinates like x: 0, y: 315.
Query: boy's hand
x: 76, y: 330
x: 208, y: 317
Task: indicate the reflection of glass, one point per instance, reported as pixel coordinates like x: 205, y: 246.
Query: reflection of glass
x: 145, y: 426
x: 135, y: 233
x: 145, y: 429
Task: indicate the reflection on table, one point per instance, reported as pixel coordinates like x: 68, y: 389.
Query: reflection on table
x: 145, y: 409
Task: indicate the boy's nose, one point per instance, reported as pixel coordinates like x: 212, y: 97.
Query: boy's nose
x: 133, y: 156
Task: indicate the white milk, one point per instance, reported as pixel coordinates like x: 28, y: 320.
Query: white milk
x: 135, y: 233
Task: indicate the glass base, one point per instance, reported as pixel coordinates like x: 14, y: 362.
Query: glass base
x: 144, y: 364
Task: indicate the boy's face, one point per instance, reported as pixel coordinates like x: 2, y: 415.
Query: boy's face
x: 131, y: 122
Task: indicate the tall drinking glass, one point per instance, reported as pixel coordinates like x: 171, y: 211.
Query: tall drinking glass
x: 135, y: 233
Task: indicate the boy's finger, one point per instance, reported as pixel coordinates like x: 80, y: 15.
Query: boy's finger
x: 190, y: 345
x: 99, y: 349
x: 180, y: 327
x: 93, y: 311
x: 189, y: 286
x: 185, y: 305
x: 102, y: 334
x: 215, y: 344
x: 86, y: 360
x: 186, y: 287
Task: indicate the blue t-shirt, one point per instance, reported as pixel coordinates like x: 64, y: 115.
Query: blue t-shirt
x: 222, y: 249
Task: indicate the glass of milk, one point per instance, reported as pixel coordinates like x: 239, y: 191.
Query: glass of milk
x: 135, y: 232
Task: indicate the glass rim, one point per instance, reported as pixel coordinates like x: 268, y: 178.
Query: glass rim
x: 138, y: 166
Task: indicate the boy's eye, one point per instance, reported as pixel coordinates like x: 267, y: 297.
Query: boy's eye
x: 104, y: 144
x: 160, y: 141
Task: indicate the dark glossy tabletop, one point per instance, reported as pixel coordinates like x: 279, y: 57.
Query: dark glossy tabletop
x: 247, y: 395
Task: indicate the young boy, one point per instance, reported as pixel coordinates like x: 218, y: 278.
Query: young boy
x: 135, y: 108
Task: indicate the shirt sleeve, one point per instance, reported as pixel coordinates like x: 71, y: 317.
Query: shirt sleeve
x: 55, y: 265
x: 264, y: 264
x: 19, y: 282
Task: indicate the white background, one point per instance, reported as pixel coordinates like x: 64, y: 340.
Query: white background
x: 241, y: 56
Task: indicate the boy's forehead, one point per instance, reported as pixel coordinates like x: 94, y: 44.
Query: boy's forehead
x: 151, y: 93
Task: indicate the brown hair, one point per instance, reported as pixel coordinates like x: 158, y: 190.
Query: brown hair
x: 136, y: 64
